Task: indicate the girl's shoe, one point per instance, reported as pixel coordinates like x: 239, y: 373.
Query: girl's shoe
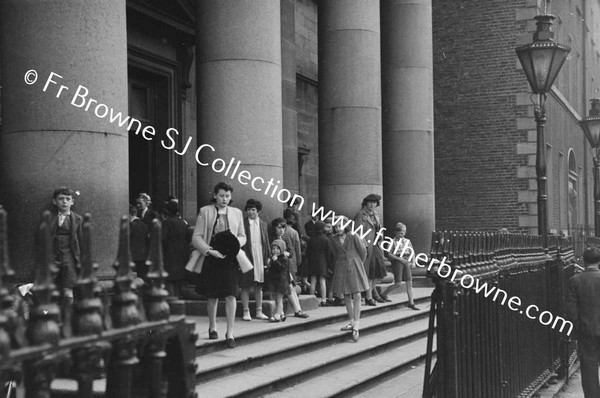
x: 355, y: 335
x: 283, y: 317
x: 385, y: 298
x: 347, y: 327
x: 213, y: 335
x: 261, y: 316
x: 300, y: 314
x: 247, y: 316
x: 370, y: 302
x: 273, y: 319
x: 230, y: 342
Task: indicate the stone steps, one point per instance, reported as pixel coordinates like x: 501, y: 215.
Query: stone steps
x: 303, y: 356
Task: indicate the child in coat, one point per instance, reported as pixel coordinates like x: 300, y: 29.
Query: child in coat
x: 277, y: 277
x: 349, y: 277
x: 318, y: 260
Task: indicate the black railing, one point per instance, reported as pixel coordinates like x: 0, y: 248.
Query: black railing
x: 487, y: 346
x: 133, y: 342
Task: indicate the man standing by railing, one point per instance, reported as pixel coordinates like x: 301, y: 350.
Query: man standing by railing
x: 583, y: 309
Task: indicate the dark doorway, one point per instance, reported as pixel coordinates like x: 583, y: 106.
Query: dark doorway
x: 149, y: 165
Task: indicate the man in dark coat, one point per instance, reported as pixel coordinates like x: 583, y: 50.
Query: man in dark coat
x: 145, y: 213
x: 175, y: 248
x: 583, y: 309
x: 138, y: 242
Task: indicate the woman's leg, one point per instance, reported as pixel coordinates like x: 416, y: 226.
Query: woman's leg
x: 323, y: 288
x: 245, y: 295
x: 258, y: 296
x: 356, y: 308
x: 313, y: 285
x: 230, y: 305
x: 390, y: 289
x: 369, y: 291
x: 211, y: 311
x: 350, y: 307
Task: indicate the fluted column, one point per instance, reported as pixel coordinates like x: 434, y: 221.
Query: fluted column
x: 48, y: 141
x: 239, y: 87
x: 349, y: 103
x: 407, y: 80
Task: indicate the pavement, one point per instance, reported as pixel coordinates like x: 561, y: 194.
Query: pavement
x: 562, y: 390
x: 573, y: 389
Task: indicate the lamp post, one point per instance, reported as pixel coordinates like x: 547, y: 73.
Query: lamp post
x: 591, y: 128
x: 541, y: 61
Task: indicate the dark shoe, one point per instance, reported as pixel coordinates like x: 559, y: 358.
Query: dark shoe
x: 301, y: 314
x: 283, y: 317
x: 413, y: 307
x: 338, y: 302
x: 213, y: 335
x: 379, y: 299
x: 385, y: 298
x: 370, y: 302
x: 230, y: 342
x: 274, y: 320
x: 347, y: 328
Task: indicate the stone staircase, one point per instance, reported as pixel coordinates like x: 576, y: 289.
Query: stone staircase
x: 312, y: 357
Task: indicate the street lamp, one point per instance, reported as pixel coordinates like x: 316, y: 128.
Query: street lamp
x: 591, y: 128
x: 541, y: 61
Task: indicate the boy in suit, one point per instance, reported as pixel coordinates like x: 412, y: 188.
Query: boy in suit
x: 583, y: 309
x: 67, y: 232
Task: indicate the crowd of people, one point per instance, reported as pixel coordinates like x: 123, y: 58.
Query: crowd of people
x: 326, y: 260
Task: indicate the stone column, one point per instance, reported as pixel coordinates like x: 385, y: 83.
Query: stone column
x: 407, y: 79
x: 46, y: 141
x: 288, y: 61
x: 238, y: 44
x: 349, y: 103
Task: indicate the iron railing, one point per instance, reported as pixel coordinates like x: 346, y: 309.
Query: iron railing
x: 132, y: 341
x: 486, y: 344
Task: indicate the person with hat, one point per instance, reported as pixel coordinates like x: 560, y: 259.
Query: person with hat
x: 217, y: 225
x: 583, y: 309
x: 175, y: 248
x: 278, y: 277
x: 368, y: 218
x: 257, y: 250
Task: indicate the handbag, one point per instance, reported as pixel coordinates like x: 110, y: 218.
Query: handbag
x: 244, y: 262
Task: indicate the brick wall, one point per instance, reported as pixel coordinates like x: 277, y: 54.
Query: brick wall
x: 475, y: 82
x: 485, y: 132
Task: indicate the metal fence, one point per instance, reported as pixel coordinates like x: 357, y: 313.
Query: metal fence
x: 486, y: 345
x: 132, y: 341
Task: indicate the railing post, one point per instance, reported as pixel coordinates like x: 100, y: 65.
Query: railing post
x: 124, y: 313
x: 157, y: 309
x: 43, y: 327
x: 5, y: 270
x: 87, y: 317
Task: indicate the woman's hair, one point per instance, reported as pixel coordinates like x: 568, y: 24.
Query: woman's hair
x: 277, y: 222
x: 365, y: 201
x: 341, y: 221
x: 225, y: 187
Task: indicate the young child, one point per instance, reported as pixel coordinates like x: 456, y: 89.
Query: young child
x: 67, y: 231
x: 318, y: 260
x: 401, y: 258
x: 278, y: 277
x: 279, y: 227
x: 349, y: 278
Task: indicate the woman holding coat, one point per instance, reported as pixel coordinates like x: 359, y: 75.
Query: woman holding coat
x: 218, y: 236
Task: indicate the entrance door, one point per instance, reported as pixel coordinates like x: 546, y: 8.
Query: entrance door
x: 149, y: 165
